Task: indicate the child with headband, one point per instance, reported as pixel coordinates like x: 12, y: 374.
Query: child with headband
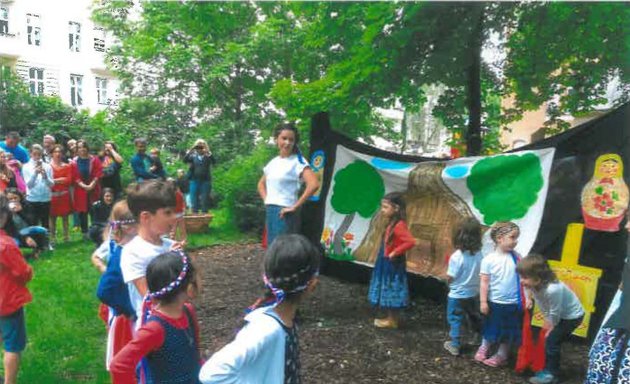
x: 112, y: 290
x: 266, y: 349
x: 168, y: 340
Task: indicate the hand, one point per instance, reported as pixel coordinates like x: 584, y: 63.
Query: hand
x: 153, y: 168
x: 30, y: 242
x: 485, y: 309
x: 108, y: 147
x: 4, y: 177
x: 178, y: 245
x: 529, y: 303
x: 391, y: 255
x: 286, y: 210
x: 547, y: 327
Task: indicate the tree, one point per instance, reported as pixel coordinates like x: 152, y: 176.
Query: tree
x: 358, y: 189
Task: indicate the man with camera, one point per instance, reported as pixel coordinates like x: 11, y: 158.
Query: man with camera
x: 200, y: 159
x: 39, y: 180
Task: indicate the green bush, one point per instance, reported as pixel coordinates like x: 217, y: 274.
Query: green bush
x: 236, y: 186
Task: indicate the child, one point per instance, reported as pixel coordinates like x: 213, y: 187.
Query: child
x: 18, y: 226
x: 388, y: 286
x: 463, y: 279
x: 169, y: 338
x: 14, y: 274
x: 500, y: 296
x: 152, y: 204
x: 560, y: 307
x: 156, y: 165
x: 99, y: 213
x: 266, y: 349
x: 112, y: 289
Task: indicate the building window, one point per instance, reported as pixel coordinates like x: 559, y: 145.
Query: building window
x: 99, y: 39
x: 74, y: 36
x: 4, y: 21
x: 101, y: 90
x: 76, y: 94
x: 33, y: 29
x: 36, y: 81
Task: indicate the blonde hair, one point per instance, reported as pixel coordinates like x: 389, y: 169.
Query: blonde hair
x: 502, y: 228
x: 201, y: 142
x: 120, y: 213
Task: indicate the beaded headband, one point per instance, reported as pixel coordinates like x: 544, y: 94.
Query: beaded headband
x: 170, y: 287
x: 115, y: 224
x: 279, y: 294
x: 501, y: 229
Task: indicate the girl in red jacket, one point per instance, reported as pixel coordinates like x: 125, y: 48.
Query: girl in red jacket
x: 14, y: 274
x: 388, y: 287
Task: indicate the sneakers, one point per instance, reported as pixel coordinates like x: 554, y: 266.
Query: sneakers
x: 495, y: 361
x: 543, y: 377
x: 481, y: 354
x: 386, y: 323
x: 451, y: 348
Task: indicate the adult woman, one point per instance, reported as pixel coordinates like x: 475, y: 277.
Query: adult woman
x: 7, y: 177
x: 86, y: 174
x: 200, y: 159
x: 60, y: 202
x: 279, y: 185
x: 111, y: 162
x: 39, y: 180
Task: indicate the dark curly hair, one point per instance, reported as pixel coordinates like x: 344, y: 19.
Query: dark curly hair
x: 535, y: 266
x: 467, y: 236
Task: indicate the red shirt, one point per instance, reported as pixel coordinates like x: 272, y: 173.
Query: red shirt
x: 14, y: 274
x: 180, y: 203
x: 149, y: 337
x: 401, y: 241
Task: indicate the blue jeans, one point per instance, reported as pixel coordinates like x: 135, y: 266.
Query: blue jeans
x: 459, y: 311
x: 199, y: 192
x: 560, y: 333
x: 277, y: 226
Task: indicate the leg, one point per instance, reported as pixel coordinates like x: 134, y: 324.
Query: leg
x: 11, y: 366
x: 204, y: 193
x: 64, y: 221
x: 44, y: 212
x: 83, y: 218
x: 272, y: 222
x: 194, y: 195
x: 454, y: 316
x: 560, y: 333
x: 53, y: 228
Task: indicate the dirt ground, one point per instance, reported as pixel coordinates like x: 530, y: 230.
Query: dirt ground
x: 339, y: 344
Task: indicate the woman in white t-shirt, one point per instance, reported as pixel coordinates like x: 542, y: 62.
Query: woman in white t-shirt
x: 279, y: 185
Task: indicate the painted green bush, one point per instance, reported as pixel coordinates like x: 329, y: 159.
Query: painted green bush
x: 505, y: 187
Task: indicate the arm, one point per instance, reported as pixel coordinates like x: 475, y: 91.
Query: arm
x: 123, y: 366
x: 48, y: 176
x: 262, y: 187
x: 141, y: 285
x: 116, y: 156
x: 30, y: 176
x: 12, y: 260
x: 555, y: 307
x: 483, y: 293
x: 403, y: 238
x: 311, y: 187
x: 137, y: 165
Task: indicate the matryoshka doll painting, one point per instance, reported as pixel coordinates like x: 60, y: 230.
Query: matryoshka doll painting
x: 605, y: 196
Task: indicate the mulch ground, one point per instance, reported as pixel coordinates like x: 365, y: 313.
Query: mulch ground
x: 339, y: 344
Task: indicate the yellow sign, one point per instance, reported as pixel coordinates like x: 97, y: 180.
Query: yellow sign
x: 580, y: 279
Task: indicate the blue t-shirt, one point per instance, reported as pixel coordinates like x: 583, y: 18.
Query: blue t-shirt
x: 464, y: 268
x: 19, y: 152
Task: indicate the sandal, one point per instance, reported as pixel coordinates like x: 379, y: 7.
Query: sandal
x: 496, y: 361
x: 385, y: 323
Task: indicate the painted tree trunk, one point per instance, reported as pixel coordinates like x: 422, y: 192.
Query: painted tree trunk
x: 345, y: 224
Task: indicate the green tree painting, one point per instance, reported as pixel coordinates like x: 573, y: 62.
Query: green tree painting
x: 358, y: 189
x: 505, y: 187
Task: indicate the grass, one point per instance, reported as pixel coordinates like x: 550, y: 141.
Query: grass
x: 66, y: 339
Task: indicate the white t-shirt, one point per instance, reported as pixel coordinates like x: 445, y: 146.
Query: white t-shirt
x: 501, y: 268
x: 282, y: 175
x: 102, y: 252
x: 464, y: 268
x: 558, y: 302
x: 136, y: 256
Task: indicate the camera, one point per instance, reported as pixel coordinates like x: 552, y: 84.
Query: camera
x: 199, y: 147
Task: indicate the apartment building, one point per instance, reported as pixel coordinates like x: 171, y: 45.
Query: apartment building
x: 58, y: 50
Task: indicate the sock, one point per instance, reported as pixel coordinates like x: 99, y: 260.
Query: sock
x: 504, y: 350
x: 485, y: 343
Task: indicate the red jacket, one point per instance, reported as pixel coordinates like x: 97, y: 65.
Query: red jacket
x: 401, y: 241
x: 14, y: 274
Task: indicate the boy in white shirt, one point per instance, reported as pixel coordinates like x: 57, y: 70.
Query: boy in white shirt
x: 152, y: 203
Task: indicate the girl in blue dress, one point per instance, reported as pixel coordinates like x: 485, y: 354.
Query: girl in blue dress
x: 388, y: 286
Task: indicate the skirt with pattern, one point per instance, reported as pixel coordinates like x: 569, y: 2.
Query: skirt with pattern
x: 388, y: 286
x: 609, y: 358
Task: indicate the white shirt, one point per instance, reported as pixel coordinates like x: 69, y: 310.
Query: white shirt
x: 255, y: 356
x: 464, y: 268
x: 136, y: 256
x: 557, y: 302
x: 37, y: 185
x: 282, y: 175
x: 102, y: 252
x: 503, y: 287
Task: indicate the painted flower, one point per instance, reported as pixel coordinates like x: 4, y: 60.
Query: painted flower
x: 326, y: 234
x: 603, y: 202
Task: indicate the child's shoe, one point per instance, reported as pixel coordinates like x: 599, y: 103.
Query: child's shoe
x: 496, y: 361
x: 386, y: 323
x: 482, y: 353
x: 544, y: 377
x: 451, y: 348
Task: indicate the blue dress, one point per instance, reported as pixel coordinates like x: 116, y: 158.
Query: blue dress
x: 388, y: 286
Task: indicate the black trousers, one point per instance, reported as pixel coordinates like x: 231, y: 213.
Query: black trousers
x: 38, y: 213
